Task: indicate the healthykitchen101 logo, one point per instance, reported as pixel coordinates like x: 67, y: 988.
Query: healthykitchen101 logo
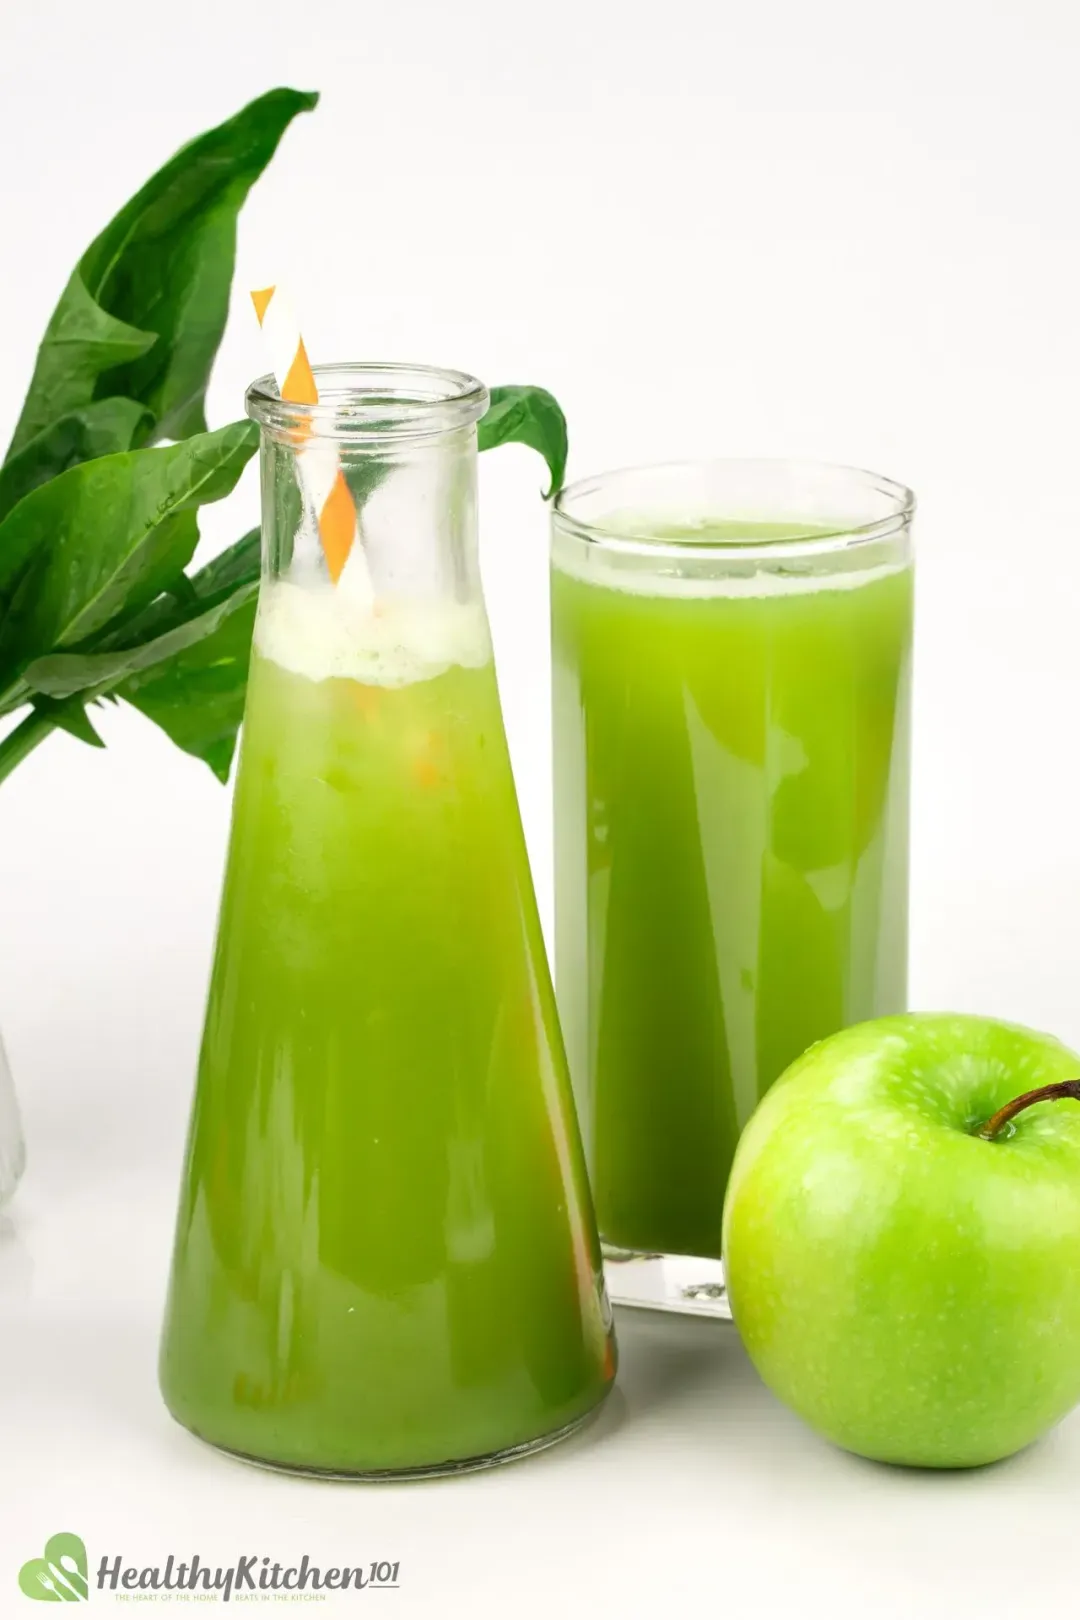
x: 62, y: 1575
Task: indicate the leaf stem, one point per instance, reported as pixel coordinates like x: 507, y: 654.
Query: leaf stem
x: 14, y: 696
x: 23, y: 740
x: 998, y: 1121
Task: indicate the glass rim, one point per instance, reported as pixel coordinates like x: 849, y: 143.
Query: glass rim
x: 370, y: 401
x: 843, y: 537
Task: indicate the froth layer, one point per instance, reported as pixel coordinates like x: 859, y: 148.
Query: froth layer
x: 652, y: 581
x: 322, y: 633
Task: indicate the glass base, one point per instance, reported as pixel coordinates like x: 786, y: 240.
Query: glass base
x: 666, y: 1282
x: 374, y: 1476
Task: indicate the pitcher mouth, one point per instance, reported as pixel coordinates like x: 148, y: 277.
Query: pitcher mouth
x: 371, y: 401
x: 848, y: 507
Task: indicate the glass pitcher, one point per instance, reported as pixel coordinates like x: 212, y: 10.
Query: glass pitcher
x: 386, y: 1260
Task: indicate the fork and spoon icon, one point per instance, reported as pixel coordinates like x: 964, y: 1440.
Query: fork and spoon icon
x: 61, y: 1575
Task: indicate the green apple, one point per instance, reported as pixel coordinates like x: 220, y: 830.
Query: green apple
x: 902, y: 1238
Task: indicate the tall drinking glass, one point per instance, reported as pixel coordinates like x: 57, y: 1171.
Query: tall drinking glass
x: 386, y: 1260
x: 732, y: 656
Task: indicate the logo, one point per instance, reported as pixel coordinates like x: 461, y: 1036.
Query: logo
x: 60, y: 1576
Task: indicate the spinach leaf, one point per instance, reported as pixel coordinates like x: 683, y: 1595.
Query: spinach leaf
x: 238, y: 565
x: 71, y: 717
x: 143, y: 313
x: 233, y: 570
x: 100, y: 542
x: 172, y: 624
x: 522, y: 414
x: 61, y: 675
x: 81, y: 341
x: 100, y: 429
x: 197, y: 696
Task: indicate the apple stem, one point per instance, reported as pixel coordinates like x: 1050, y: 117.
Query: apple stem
x: 998, y: 1121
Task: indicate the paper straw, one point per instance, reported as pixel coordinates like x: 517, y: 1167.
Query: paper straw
x: 321, y: 474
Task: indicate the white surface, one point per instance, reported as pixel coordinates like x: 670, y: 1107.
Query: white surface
x: 839, y: 230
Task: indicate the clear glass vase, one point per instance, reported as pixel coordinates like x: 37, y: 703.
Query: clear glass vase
x: 12, y: 1150
x: 386, y: 1259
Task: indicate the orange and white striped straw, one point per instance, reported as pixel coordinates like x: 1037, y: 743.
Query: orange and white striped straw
x: 331, y: 498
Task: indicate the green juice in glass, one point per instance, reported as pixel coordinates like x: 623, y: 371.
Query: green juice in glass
x: 731, y: 780
x: 385, y: 1257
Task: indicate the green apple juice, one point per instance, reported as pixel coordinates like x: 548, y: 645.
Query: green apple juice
x: 731, y: 817
x: 386, y: 1259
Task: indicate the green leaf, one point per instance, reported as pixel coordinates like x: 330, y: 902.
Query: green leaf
x: 70, y: 717
x: 143, y: 313
x: 239, y: 564
x: 104, y: 539
x: 197, y: 697
x: 20, y: 743
x: 236, y: 568
x: 522, y: 414
x: 100, y: 429
x: 61, y: 675
x: 81, y: 341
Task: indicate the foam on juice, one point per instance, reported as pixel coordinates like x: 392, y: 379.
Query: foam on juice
x: 649, y: 580
x: 325, y: 633
x: 678, y: 572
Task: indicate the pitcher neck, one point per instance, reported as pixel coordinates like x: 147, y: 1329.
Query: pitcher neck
x: 378, y: 475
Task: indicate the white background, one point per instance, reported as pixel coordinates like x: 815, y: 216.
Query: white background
x: 836, y: 230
